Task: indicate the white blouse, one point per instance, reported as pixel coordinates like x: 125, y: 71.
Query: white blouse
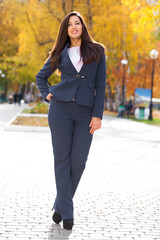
x: 75, y: 56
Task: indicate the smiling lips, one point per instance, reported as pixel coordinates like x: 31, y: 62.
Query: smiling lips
x: 74, y: 32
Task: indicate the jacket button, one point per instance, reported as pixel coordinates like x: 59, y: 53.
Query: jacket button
x: 78, y: 76
x: 82, y: 76
x: 73, y: 99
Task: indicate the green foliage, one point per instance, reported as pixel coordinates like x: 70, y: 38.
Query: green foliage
x: 38, y: 108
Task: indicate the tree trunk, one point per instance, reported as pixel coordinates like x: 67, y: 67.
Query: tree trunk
x: 109, y: 97
x: 5, y: 89
x: 25, y: 91
x: 105, y: 103
x: 90, y: 22
x: 117, y: 96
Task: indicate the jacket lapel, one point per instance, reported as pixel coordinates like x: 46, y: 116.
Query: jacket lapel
x: 66, y: 61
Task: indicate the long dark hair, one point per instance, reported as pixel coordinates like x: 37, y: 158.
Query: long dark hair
x: 90, y: 50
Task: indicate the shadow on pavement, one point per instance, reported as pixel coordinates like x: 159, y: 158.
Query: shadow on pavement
x: 56, y: 232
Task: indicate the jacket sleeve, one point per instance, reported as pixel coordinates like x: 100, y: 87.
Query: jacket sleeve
x: 100, y: 84
x: 42, y: 79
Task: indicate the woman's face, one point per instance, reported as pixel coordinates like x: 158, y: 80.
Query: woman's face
x: 74, y: 27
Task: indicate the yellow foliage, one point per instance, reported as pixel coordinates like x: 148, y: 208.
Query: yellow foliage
x: 127, y: 28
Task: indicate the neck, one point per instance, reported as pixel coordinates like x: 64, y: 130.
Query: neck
x: 75, y: 42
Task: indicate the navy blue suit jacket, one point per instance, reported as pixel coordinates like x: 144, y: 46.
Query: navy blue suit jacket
x: 86, y: 87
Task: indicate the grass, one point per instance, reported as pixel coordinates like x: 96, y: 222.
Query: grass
x: 31, y: 121
x: 154, y: 121
x: 40, y: 108
x: 43, y: 121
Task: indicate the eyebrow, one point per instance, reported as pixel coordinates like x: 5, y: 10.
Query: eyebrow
x: 74, y: 21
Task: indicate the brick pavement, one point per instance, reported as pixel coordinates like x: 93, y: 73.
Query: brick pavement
x: 118, y: 197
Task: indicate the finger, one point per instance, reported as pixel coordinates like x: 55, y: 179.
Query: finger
x: 92, y: 129
x: 91, y: 123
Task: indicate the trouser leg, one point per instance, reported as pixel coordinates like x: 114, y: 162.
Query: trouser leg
x: 80, y: 148
x: 61, y: 131
x: 71, y: 141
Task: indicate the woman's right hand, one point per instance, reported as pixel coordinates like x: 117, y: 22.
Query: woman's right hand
x: 49, y: 96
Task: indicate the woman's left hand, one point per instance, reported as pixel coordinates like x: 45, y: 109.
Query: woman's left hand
x: 95, y: 124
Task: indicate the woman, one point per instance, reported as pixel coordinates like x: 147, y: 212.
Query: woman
x: 76, y: 106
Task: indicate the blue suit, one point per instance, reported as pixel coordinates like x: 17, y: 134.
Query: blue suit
x: 76, y: 99
x: 87, y: 87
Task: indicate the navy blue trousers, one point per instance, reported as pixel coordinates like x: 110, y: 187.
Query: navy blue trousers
x: 71, y: 141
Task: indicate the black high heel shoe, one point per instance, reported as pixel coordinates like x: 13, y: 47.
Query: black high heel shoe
x: 68, y: 224
x: 56, y: 218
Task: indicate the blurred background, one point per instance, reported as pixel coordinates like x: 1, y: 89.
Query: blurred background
x: 129, y: 29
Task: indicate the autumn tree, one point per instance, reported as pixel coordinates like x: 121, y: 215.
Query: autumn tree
x: 127, y: 28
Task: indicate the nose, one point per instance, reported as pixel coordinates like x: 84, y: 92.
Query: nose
x: 74, y: 26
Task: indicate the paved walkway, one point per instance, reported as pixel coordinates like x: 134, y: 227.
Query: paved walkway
x: 8, y: 111
x: 118, y: 197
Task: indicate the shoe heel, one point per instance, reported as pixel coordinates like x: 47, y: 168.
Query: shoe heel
x: 68, y: 224
x: 56, y: 218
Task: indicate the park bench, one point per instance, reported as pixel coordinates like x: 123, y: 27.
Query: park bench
x: 129, y: 113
